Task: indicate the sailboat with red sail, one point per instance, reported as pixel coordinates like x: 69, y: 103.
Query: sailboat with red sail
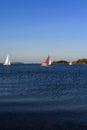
x: 47, y: 61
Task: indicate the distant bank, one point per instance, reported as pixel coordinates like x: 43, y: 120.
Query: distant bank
x: 79, y: 61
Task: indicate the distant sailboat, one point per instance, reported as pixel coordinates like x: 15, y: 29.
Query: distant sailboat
x: 47, y: 61
x: 70, y: 63
x: 7, y: 61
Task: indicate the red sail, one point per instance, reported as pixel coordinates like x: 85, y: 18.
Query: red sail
x: 47, y: 60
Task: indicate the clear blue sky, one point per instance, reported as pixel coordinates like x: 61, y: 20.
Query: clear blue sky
x: 30, y: 30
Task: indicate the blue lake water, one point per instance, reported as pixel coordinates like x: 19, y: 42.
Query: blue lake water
x: 36, y: 97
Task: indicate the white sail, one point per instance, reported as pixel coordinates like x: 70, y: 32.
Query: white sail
x: 70, y: 63
x: 49, y: 61
x: 7, y: 61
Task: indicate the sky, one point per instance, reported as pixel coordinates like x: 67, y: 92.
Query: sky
x: 30, y: 30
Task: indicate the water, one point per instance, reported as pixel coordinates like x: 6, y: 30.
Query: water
x: 36, y: 97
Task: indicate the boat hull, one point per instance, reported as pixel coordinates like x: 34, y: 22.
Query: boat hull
x: 44, y: 64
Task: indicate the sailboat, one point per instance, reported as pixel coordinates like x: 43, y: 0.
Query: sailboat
x: 70, y: 63
x: 47, y: 61
x: 7, y: 61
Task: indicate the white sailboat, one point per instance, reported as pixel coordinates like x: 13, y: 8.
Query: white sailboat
x: 47, y: 61
x: 7, y: 61
x: 70, y: 63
